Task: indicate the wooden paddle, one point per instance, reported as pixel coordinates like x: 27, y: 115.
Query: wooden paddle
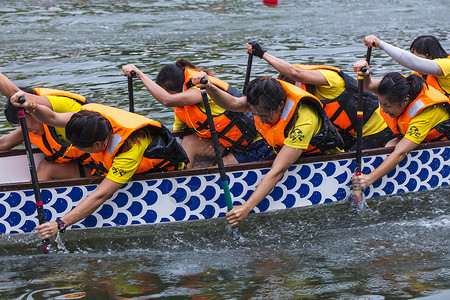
x: 46, y: 246
x: 130, y: 91
x: 358, y: 201
x: 247, y: 74
x: 219, y: 159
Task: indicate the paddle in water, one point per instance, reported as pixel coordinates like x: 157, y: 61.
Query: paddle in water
x: 223, y: 176
x: 46, y: 246
x: 358, y: 201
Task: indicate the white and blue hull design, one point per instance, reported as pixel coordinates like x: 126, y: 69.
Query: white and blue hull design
x: 197, y: 194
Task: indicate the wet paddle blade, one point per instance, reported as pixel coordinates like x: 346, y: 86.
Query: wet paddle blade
x: 234, y: 231
x: 359, y: 204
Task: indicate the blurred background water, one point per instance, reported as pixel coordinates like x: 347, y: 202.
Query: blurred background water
x: 400, y: 252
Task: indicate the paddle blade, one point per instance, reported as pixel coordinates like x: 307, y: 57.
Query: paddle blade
x: 234, y: 231
x: 359, y: 204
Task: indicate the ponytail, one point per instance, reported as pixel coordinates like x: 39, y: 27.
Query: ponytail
x: 396, y: 87
x: 171, y: 77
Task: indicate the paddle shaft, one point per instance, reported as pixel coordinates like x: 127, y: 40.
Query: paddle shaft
x: 130, y: 91
x: 219, y: 159
x: 247, y: 74
x: 359, y: 116
x: 34, y: 179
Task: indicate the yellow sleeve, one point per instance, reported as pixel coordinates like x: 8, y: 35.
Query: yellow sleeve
x: 375, y: 124
x: 444, y: 81
x: 306, y: 126
x: 421, y: 124
x: 63, y: 105
x: 336, y: 85
x: 125, y: 164
x: 178, y: 125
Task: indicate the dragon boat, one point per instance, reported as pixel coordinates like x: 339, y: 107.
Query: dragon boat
x: 194, y: 194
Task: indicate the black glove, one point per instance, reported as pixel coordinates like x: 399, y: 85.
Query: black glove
x: 257, y: 50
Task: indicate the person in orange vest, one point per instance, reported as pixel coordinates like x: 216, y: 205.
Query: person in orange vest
x: 291, y: 120
x: 62, y: 161
x: 125, y: 143
x: 339, y: 93
x: 415, y: 112
x: 427, y: 58
x: 238, y: 138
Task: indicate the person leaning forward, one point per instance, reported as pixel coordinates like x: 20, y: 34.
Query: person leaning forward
x: 415, y: 112
x: 338, y: 92
x: 125, y: 143
x: 291, y: 120
x: 239, y: 140
x: 62, y: 160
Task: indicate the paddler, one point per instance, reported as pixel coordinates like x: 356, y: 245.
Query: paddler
x: 339, y: 93
x: 238, y: 138
x: 291, y: 120
x: 125, y: 143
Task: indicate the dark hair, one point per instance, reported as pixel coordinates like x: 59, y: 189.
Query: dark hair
x: 11, y: 111
x: 87, y: 127
x: 396, y: 87
x: 285, y: 78
x: 265, y: 92
x: 428, y: 45
x: 171, y: 77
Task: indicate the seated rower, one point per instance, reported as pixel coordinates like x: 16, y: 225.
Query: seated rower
x: 62, y: 161
x: 426, y: 58
x: 416, y: 112
x: 125, y: 143
x: 291, y: 120
x: 238, y: 138
x: 338, y: 92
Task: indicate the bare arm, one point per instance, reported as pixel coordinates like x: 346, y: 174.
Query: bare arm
x: 221, y: 98
x: 89, y: 205
x: 41, y: 113
x: 401, y: 150
x: 285, y: 158
x: 191, y: 96
x: 370, y: 84
x: 12, y: 139
x: 304, y: 76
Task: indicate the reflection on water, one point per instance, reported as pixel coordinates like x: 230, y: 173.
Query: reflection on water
x: 321, y: 252
x: 311, y: 253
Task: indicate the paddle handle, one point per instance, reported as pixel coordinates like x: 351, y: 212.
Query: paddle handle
x: 247, y: 74
x: 360, y: 115
x: 46, y: 246
x: 215, y: 140
x: 130, y: 91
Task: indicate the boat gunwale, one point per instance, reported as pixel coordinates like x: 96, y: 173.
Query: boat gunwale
x: 198, y: 171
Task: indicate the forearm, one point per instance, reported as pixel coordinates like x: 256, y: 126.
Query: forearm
x: 227, y: 101
x: 283, y: 67
x: 401, y: 150
x: 370, y: 84
x: 263, y: 189
x: 11, y: 139
x: 160, y: 94
x: 7, y: 87
x: 91, y: 203
x: 411, y: 61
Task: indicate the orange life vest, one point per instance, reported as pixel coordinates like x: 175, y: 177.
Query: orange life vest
x: 163, y: 153
x: 234, y: 129
x: 50, y: 144
x: 427, y: 98
x: 433, y: 82
x: 275, y: 135
x: 342, y: 110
